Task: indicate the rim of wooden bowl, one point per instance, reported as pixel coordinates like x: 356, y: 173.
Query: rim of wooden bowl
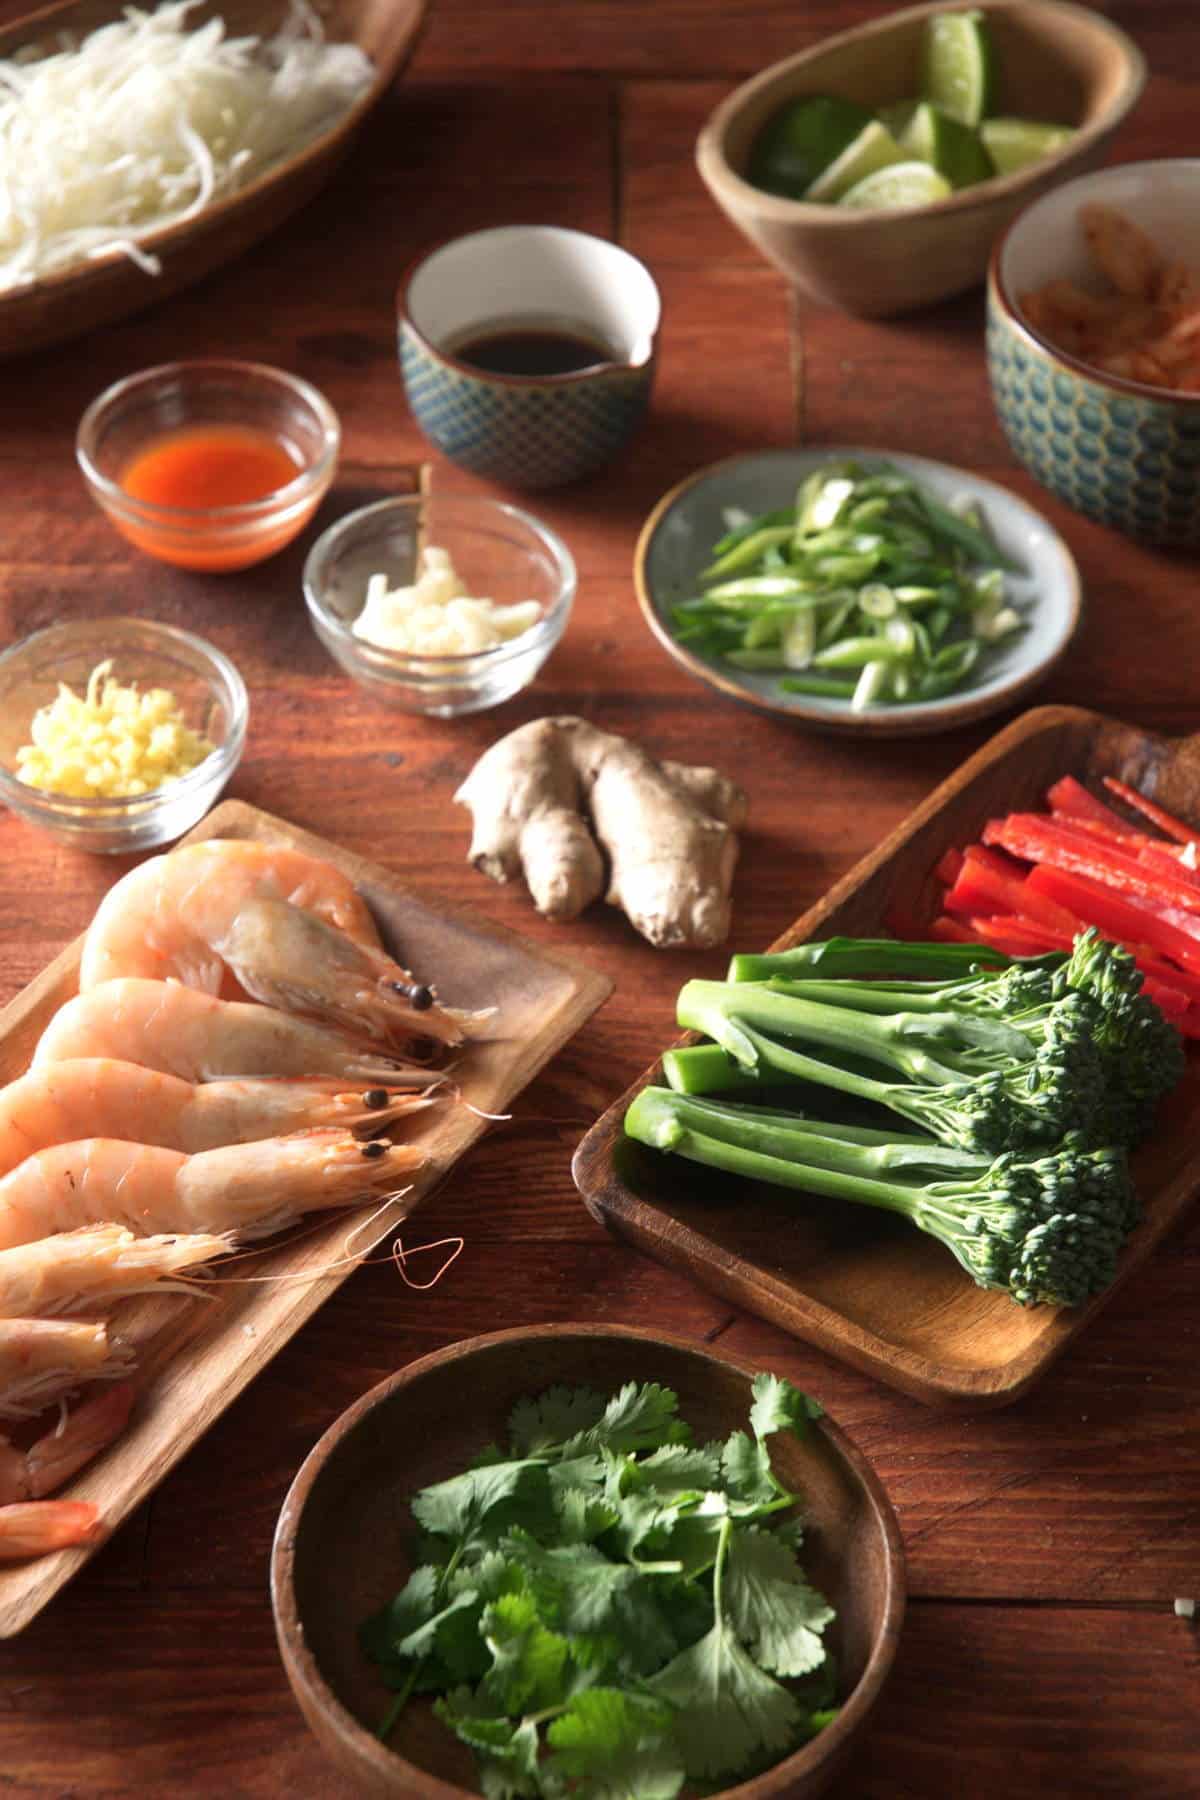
x: 313, y: 1692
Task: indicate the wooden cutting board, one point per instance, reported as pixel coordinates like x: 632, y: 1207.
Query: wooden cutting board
x: 195, y: 1356
x: 863, y: 1286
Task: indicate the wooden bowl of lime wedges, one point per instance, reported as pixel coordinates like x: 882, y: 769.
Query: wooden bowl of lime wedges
x: 877, y: 169
x: 562, y: 1559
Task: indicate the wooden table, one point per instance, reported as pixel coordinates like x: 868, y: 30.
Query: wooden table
x: 1046, y: 1543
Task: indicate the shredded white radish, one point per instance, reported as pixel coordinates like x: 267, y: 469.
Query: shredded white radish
x: 146, y: 122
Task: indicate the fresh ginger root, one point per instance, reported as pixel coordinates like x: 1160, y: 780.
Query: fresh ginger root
x: 668, y: 829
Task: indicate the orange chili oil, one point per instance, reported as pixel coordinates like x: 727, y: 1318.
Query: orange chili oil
x: 204, y: 467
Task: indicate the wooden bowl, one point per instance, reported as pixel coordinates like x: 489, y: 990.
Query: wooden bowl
x: 340, y: 1544
x: 1057, y: 61
x: 74, y: 300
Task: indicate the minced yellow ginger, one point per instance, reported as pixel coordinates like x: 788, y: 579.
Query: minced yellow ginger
x: 110, y: 743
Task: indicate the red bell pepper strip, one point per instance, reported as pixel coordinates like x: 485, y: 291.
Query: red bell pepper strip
x: 951, y: 931
x: 1170, y: 1001
x: 984, y: 887
x: 1168, y: 862
x: 1165, y: 821
x: 1042, y: 840
x: 948, y: 867
x: 1115, y: 915
x: 1071, y: 798
x: 1018, y: 936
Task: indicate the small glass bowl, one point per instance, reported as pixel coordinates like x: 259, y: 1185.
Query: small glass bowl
x: 501, y: 553
x: 211, y: 696
x: 144, y: 409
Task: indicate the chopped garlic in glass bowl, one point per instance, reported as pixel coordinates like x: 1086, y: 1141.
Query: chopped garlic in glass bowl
x: 392, y: 594
x: 436, y: 615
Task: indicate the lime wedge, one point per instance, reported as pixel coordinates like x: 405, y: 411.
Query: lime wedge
x: 874, y: 148
x: 898, y: 186
x: 1012, y: 143
x: 954, y: 150
x: 800, y: 140
x: 959, y: 65
x: 898, y: 116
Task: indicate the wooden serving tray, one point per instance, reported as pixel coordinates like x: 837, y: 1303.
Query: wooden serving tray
x: 861, y: 1285
x: 195, y: 1356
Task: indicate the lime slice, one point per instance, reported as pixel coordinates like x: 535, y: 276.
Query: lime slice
x: 800, y: 140
x: 959, y: 65
x: 874, y: 148
x: 901, y: 185
x: 952, y: 149
x: 898, y: 116
x: 1012, y: 143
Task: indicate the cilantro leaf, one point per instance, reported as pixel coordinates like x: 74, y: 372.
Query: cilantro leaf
x: 771, y: 1606
x: 543, y: 1424
x: 381, y: 1635
x: 680, y: 1468
x: 729, y: 1710
x: 778, y: 1406
x: 582, y: 1516
x: 746, y: 1466
x: 508, y: 1752
x: 643, y: 1416
x: 593, y: 1597
x: 529, y: 1662
x: 613, y: 1745
x: 485, y: 1501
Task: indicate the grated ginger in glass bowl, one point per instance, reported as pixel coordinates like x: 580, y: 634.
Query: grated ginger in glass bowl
x: 111, y: 742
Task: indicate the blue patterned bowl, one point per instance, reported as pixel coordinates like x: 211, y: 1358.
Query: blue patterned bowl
x: 1120, y: 451
x: 530, y: 431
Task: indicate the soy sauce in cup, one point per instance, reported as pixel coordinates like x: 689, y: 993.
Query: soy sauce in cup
x: 532, y: 346
x: 528, y: 351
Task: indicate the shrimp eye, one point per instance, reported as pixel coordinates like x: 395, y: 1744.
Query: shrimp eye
x: 375, y: 1098
x: 419, y: 998
x: 376, y: 1147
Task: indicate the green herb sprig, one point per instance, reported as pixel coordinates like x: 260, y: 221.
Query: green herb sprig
x: 608, y: 1609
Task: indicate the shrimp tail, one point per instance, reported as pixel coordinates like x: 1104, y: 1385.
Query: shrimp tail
x: 89, y: 1428
x: 35, y: 1527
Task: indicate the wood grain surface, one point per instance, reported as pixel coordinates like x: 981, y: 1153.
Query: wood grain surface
x: 1047, y: 1541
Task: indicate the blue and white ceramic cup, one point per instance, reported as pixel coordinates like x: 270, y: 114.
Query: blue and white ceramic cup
x: 529, y: 430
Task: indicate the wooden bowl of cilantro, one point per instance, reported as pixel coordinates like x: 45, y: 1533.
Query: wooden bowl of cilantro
x: 586, y: 1561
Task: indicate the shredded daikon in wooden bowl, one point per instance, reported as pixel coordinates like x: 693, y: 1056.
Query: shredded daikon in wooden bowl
x: 145, y: 121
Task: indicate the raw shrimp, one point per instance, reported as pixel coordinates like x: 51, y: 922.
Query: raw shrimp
x: 97, y: 1265
x: 32, y: 1474
x: 43, y: 1359
x: 183, y: 1032
x: 250, y: 1189
x: 97, y: 1096
x: 161, y: 918
x: 293, y: 960
x: 35, y: 1527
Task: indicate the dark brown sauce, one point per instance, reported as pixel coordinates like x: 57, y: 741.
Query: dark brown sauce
x: 532, y: 349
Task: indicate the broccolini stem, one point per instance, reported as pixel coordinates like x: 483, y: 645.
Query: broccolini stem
x: 869, y: 956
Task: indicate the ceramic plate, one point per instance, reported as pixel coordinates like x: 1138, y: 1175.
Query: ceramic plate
x: 677, y: 540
